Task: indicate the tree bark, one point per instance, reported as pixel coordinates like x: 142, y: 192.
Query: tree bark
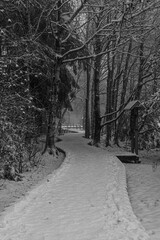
x: 96, y: 82
x: 140, y: 73
x: 124, y: 90
x: 55, y: 78
x: 87, y: 118
x: 92, y: 111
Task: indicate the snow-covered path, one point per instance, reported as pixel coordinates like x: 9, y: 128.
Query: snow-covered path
x: 85, y: 199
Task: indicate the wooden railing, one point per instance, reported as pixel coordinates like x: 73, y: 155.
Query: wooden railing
x: 78, y: 127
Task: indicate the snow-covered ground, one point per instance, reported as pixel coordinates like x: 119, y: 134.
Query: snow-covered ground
x: 144, y: 191
x: 86, y: 199
x: 12, y: 191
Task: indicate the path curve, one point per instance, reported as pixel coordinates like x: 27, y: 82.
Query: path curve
x: 86, y: 199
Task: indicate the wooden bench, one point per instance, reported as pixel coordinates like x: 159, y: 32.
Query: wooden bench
x: 127, y: 157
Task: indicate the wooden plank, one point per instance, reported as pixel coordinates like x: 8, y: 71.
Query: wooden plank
x: 127, y: 157
x: 134, y: 104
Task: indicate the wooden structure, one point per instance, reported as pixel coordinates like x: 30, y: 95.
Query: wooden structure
x: 127, y: 157
x: 134, y: 107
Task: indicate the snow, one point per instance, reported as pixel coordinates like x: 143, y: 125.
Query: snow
x: 86, y: 199
x: 144, y: 185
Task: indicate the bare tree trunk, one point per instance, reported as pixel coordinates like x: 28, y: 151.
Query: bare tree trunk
x: 96, y: 82
x: 97, y: 120
x: 115, y: 99
x: 110, y: 89
x: 59, y: 125
x: 140, y: 72
x: 108, y: 107
x: 55, y: 79
x: 92, y: 112
x: 87, y: 118
x: 48, y: 132
x: 116, y: 91
x: 124, y: 89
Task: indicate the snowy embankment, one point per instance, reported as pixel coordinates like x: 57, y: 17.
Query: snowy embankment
x: 144, y: 192
x: 86, y: 199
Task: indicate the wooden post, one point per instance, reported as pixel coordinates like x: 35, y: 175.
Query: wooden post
x: 134, y: 106
x: 134, y: 130
x: 132, y: 127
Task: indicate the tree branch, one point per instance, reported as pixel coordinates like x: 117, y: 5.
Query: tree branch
x: 113, y: 120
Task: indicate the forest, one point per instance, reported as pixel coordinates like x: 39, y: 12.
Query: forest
x: 51, y: 51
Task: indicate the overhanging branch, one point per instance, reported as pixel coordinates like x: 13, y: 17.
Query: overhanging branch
x: 113, y: 120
